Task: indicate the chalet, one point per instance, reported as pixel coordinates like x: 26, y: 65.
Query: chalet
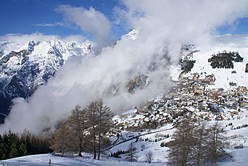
x: 199, y: 90
x: 214, y: 95
x: 195, y: 76
x: 209, y: 79
x: 242, y: 90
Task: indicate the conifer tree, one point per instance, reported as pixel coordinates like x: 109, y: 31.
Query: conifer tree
x: 13, y: 152
x: 23, y: 150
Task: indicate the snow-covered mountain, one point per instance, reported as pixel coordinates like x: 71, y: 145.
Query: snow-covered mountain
x: 27, y: 64
x: 133, y: 34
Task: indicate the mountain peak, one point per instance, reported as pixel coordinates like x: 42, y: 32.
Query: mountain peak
x: 133, y: 34
x: 25, y: 65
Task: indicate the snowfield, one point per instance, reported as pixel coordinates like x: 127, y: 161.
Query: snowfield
x: 239, y: 159
x: 43, y: 160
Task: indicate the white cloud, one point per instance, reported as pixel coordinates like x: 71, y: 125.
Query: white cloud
x: 182, y: 20
x: 90, y: 21
x: 50, y: 24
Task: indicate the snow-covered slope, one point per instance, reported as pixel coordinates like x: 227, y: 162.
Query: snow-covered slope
x: 233, y: 43
x: 188, y: 96
x: 27, y: 64
x: 43, y: 160
x: 133, y: 34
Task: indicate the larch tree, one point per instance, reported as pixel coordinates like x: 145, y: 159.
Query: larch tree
x: 61, y: 137
x: 216, y: 143
x: 84, y: 130
x: 180, y: 152
x: 195, y: 144
x: 104, y: 118
x: 92, y: 115
x: 200, y: 135
x: 100, y: 121
x: 78, y: 124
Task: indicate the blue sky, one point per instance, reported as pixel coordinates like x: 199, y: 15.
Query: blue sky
x: 27, y: 16
x: 239, y: 27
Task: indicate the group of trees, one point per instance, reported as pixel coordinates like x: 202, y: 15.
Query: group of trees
x: 131, y: 154
x: 225, y: 59
x: 196, y: 144
x: 84, y: 130
x: 14, y: 145
x: 186, y: 65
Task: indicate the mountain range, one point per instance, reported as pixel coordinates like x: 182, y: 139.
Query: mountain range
x: 25, y: 65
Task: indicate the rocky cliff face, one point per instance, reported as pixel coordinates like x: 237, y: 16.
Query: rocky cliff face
x: 26, y: 66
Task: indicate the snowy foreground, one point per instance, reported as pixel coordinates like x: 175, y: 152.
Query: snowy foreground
x: 43, y: 160
x: 240, y: 159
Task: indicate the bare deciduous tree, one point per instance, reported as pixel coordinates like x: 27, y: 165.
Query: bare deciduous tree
x: 77, y: 123
x: 142, y: 147
x: 60, y: 141
x: 100, y: 119
x: 183, y: 142
x: 84, y: 130
x: 132, y: 153
x: 196, y: 144
x: 216, y: 143
x: 149, y: 156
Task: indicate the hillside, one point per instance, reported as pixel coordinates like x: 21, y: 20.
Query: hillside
x: 224, y: 76
x: 204, y: 93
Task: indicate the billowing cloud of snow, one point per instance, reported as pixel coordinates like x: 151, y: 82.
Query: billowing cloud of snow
x: 89, y: 21
x: 182, y: 21
x: 163, y: 26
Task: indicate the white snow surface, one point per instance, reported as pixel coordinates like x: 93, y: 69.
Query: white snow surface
x: 43, y: 160
x: 229, y: 43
